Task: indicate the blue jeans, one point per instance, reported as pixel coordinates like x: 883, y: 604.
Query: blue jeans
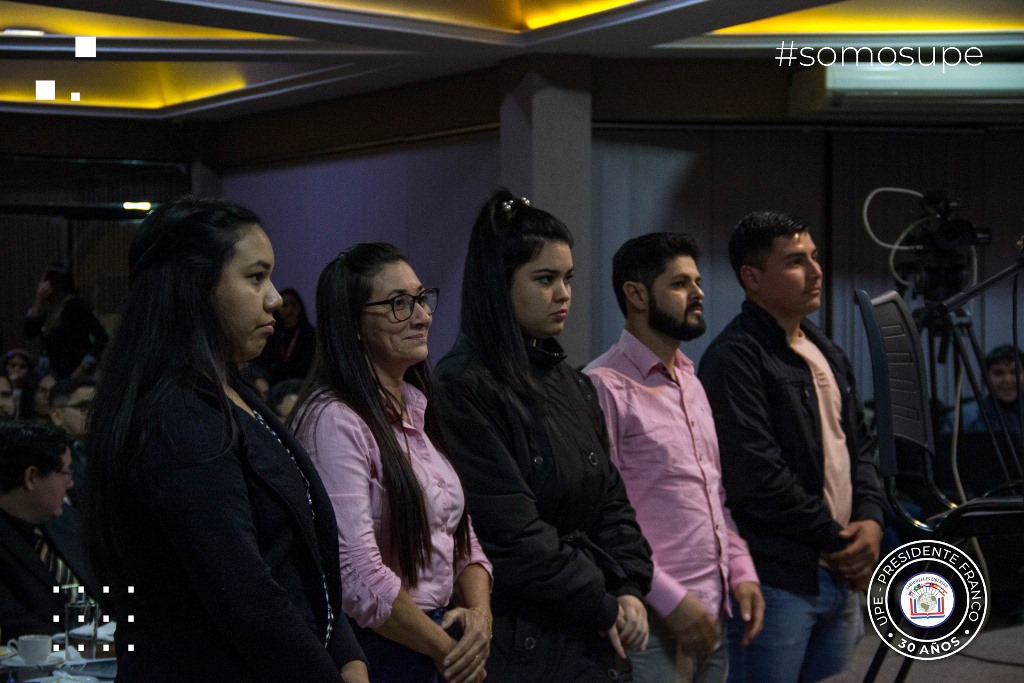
x: 805, y: 637
x: 658, y: 663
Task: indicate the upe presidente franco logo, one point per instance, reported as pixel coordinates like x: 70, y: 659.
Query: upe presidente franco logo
x: 927, y: 600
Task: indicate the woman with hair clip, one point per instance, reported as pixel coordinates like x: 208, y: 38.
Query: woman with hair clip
x: 407, y: 547
x: 570, y: 563
x: 205, y: 516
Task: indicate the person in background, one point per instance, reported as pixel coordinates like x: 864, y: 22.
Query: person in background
x: 663, y: 441
x: 70, y: 403
x: 41, y: 396
x: 289, y: 351
x: 798, y: 463
x: 72, y: 338
x: 40, y: 535
x: 407, y: 544
x: 18, y: 366
x: 1004, y: 378
x: 284, y: 396
x: 571, y: 566
x: 199, y: 499
x: 7, y: 404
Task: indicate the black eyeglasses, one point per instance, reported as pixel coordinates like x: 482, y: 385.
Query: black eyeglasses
x: 403, y: 304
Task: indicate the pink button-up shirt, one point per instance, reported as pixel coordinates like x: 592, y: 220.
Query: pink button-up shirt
x: 348, y: 460
x: 664, y: 443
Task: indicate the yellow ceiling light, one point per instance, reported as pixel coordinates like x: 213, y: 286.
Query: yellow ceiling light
x: 491, y: 14
x: 138, y: 85
x: 892, y: 16
x: 79, y: 23
x: 541, y: 14
x: 501, y: 15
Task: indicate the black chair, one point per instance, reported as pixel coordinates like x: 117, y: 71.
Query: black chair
x: 905, y: 441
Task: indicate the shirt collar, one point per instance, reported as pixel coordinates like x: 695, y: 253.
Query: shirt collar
x: 646, y: 361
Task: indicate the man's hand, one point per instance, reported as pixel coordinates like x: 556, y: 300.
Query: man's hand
x: 751, y: 602
x: 857, y: 560
x: 693, y: 628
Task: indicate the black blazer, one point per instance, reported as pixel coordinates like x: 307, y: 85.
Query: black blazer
x: 230, y: 571
x: 27, y: 600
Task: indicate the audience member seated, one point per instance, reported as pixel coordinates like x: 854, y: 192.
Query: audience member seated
x: 289, y: 351
x: 17, y: 365
x: 6, y: 399
x: 41, y: 397
x: 72, y: 338
x: 40, y: 535
x: 70, y: 403
x: 1003, y: 398
x: 283, y: 397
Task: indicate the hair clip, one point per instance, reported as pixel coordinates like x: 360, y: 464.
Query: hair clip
x: 508, y: 204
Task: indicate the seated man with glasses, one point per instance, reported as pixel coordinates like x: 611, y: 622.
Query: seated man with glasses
x: 40, y: 535
x: 70, y: 403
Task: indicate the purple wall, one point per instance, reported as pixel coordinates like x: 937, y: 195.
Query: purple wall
x: 421, y: 198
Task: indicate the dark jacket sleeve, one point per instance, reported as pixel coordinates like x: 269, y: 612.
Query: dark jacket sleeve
x: 78, y: 316
x: 757, y: 478
x: 33, y: 326
x: 530, y: 558
x: 195, y: 492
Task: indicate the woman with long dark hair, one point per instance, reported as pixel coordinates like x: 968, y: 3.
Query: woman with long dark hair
x: 289, y: 351
x: 570, y: 563
x: 72, y: 338
x: 204, y: 515
x: 407, y: 546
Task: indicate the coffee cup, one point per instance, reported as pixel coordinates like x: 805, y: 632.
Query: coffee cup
x: 34, y: 648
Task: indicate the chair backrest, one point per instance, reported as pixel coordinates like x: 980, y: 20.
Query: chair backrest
x: 898, y: 373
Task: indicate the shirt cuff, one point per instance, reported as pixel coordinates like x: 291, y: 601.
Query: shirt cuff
x: 666, y: 593
x: 741, y: 570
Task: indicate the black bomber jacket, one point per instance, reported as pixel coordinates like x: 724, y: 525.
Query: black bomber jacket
x: 766, y: 414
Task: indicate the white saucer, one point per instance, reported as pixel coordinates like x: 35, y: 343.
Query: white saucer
x: 54, y: 659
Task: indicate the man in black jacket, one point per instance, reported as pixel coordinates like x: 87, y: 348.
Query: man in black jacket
x: 40, y: 535
x: 798, y: 464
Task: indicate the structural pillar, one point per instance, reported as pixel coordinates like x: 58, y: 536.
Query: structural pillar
x: 545, y: 156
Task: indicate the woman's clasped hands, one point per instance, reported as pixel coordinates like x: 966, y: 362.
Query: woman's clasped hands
x: 466, y: 661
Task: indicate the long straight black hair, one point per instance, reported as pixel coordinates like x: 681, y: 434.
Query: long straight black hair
x: 170, y: 331
x: 507, y: 234
x: 342, y: 371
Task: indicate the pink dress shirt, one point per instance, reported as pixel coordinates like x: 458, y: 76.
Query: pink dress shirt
x: 664, y: 443
x: 348, y: 460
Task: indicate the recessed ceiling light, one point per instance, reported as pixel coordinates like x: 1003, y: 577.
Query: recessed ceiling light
x: 34, y: 32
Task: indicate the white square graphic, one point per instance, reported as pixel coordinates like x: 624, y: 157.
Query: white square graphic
x: 47, y: 90
x: 76, y: 97
x: 85, y: 46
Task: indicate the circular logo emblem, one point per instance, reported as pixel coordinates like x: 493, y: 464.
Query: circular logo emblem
x: 927, y: 600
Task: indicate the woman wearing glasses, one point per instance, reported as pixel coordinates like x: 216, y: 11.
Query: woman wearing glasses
x: 570, y: 563
x: 407, y: 547
x: 205, y: 516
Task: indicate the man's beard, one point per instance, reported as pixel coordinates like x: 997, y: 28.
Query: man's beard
x: 660, y: 321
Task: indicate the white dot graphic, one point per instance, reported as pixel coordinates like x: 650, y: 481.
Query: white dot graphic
x: 46, y: 91
x: 85, y: 46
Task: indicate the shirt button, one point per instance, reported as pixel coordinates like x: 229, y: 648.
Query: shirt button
x: 613, y: 674
x: 537, y: 460
x: 592, y: 458
x: 529, y: 643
